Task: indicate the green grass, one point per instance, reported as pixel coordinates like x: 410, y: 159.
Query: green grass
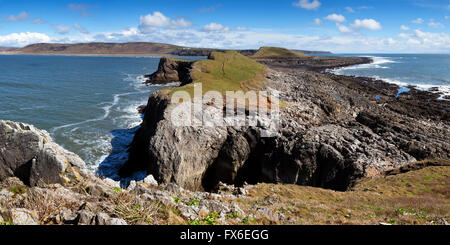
x: 18, y: 190
x: 227, y: 71
x: 277, y: 53
x: 402, y: 199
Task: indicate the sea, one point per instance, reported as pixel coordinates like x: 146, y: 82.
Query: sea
x: 423, y: 71
x: 88, y: 103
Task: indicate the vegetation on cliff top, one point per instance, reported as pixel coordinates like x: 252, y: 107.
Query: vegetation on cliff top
x: 277, y: 53
x: 226, y: 71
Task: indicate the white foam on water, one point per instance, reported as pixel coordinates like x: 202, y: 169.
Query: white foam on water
x: 378, y: 61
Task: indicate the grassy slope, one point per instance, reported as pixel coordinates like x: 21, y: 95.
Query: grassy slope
x: 277, y: 53
x: 228, y: 71
x: 415, y: 197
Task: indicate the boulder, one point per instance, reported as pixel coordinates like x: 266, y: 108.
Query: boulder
x: 29, y: 154
x: 20, y: 216
x: 150, y: 180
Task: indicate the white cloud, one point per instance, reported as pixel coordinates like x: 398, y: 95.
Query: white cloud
x: 417, y: 41
x: 447, y: 17
x: 350, y: 9
x: 214, y: 27
x: 150, y: 22
x: 369, y: 24
x: 418, y: 21
x: 343, y: 28
x: 434, y: 24
x: 404, y: 35
x: 179, y: 23
x: 38, y: 21
x: 80, y: 28
x: 365, y: 24
x: 336, y: 17
x: 23, y: 39
x: 317, y: 21
x: 16, y: 18
x: 240, y: 28
x: 404, y: 28
x: 61, y: 29
x: 307, y: 4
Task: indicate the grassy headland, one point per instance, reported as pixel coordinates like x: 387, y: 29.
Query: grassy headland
x: 277, y: 53
x: 225, y: 71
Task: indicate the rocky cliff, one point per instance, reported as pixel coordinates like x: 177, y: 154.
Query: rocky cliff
x: 171, y: 70
x: 332, y: 133
x: 31, y: 155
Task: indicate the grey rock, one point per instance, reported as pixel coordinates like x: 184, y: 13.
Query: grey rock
x: 116, y: 221
x: 20, y: 216
x: 101, y: 219
x: 68, y: 216
x: 111, y: 183
x: 131, y: 186
x: 150, y: 180
x: 30, y: 154
x: 85, y: 217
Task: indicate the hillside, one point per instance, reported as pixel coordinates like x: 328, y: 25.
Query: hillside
x: 277, y: 53
x: 7, y: 49
x: 134, y: 48
x: 100, y: 48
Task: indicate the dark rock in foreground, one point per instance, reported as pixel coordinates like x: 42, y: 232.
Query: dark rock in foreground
x: 31, y: 155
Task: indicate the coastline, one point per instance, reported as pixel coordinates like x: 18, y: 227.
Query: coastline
x: 152, y: 55
x: 329, y: 140
x: 442, y: 90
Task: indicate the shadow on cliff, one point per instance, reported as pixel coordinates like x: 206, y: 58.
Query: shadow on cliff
x: 110, y: 166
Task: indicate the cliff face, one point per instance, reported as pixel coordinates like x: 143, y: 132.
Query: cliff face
x: 331, y: 134
x: 30, y: 154
x: 171, y: 71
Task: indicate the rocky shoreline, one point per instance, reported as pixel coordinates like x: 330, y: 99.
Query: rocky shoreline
x: 335, y: 130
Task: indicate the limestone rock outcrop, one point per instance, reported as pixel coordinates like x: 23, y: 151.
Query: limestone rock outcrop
x: 171, y: 70
x: 31, y: 155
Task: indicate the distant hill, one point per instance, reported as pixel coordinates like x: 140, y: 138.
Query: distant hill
x: 7, y: 49
x: 308, y: 52
x: 139, y: 48
x: 277, y: 53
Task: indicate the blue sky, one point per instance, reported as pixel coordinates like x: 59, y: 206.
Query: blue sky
x: 364, y: 26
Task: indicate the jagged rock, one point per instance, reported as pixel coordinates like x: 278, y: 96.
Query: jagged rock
x: 85, y: 217
x: 101, y: 219
x: 68, y: 216
x: 150, y: 180
x: 20, y: 216
x: 111, y: 183
x: 173, y: 153
x: 30, y: 154
x: 131, y: 186
x: 171, y: 70
x: 116, y: 221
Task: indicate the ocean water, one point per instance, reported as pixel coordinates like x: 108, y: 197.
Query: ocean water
x: 424, y: 71
x: 87, y: 104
